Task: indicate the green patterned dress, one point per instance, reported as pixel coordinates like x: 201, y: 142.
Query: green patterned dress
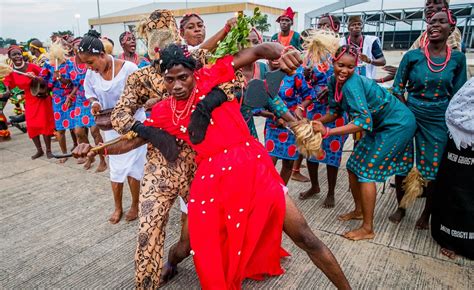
x: 429, y: 94
x: 388, y: 124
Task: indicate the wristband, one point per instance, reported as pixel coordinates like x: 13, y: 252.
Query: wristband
x: 327, y: 133
x: 96, y: 102
x: 300, y: 107
x: 227, y: 28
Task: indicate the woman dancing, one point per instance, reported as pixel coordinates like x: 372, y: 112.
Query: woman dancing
x: 104, y: 83
x: 38, y: 111
x: 388, y: 125
x: 431, y: 75
x: 331, y: 153
x: 55, y: 77
x: 83, y: 118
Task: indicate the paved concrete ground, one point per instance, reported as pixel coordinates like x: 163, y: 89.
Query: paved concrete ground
x: 54, y: 234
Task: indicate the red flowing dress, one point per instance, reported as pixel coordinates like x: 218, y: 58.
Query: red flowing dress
x: 38, y: 112
x: 237, y: 203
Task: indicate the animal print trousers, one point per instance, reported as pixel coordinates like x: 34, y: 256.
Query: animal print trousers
x: 161, y: 185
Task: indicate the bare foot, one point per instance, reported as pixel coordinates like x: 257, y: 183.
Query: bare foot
x: 353, y: 215
x: 330, y: 201
x: 297, y: 176
x: 116, y: 216
x: 62, y: 160
x: 423, y: 222
x: 49, y: 154
x: 397, y: 216
x: 37, y: 155
x: 5, y: 138
x: 81, y: 160
x: 310, y: 192
x: 448, y: 253
x: 359, y: 234
x: 88, y: 163
x: 102, y: 166
x: 168, y: 272
x: 132, y: 214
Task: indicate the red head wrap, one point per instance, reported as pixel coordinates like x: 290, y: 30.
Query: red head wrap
x: 289, y: 13
x: 12, y: 48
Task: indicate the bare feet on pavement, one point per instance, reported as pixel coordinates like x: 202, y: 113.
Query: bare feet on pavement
x: 397, y: 216
x: 132, y: 214
x: 360, y: 234
x: 297, y: 176
x: 116, y: 216
x: 168, y: 272
x: 37, y: 155
x: 309, y: 193
x: 102, y: 166
x: 353, y: 215
x: 423, y: 223
x: 330, y: 201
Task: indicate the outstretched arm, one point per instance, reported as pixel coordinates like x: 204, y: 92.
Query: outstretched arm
x: 269, y: 50
x: 211, y: 43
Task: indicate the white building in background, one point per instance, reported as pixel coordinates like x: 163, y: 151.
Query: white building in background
x: 214, y: 16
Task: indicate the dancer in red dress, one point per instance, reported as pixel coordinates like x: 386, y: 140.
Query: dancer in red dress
x: 38, y: 111
x: 237, y: 206
x: 238, y: 202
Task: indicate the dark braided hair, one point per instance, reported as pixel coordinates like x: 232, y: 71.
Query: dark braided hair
x: 346, y: 49
x: 91, y: 43
x: 174, y: 55
x: 186, y: 18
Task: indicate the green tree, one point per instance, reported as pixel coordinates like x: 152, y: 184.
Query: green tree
x: 9, y: 41
x: 262, y: 24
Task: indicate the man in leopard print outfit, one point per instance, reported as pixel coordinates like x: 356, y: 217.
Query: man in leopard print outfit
x: 163, y: 181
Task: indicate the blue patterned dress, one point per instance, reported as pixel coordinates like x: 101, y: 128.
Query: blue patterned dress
x: 63, y: 116
x: 388, y: 124
x: 332, y: 146
x: 429, y: 94
x: 280, y: 142
x: 82, y: 113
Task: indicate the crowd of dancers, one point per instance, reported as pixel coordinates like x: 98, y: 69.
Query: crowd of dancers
x: 182, y: 127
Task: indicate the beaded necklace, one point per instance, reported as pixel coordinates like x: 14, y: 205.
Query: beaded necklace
x: 179, y: 115
x: 432, y: 63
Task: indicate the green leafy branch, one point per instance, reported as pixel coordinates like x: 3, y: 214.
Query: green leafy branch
x: 237, y: 36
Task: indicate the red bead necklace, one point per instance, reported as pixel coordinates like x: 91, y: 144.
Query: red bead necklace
x: 179, y: 115
x: 432, y: 63
x: 134, y: 60
x: 338, y: 93
x: 361, y: 44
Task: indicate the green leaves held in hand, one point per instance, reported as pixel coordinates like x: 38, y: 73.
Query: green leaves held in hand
x: 237, y: 36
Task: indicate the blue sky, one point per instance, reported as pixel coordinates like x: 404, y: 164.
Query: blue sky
x: 23, y: 19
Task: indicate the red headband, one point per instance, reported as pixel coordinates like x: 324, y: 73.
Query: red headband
x: 349, y: 50
x: 450, y: 16
x: 127, y: 33
x: 13, y: 47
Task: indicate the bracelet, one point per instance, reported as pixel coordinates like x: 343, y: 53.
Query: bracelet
x: 105, y: 151
x: 300, y: 107
x: 227, y: 28
x: 96, y: 102
x: 327, y: 133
